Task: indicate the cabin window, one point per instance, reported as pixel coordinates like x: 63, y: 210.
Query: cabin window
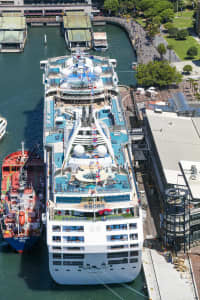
x: 56, y: 228
x: 134, y: 253
x: 134, y: 245
x: 6, y: 169
x: 73, y: 263
x: 133, y: 226
x: 57, y: 255
x: 116, y: 227
x: 117, y: 254
x: 56, y: 239
x: 73, y: 256
x: 120, y: 261
x: 133, y: 260
x: 56, y: 248
x: 134, y: 236
x: 56, y: 262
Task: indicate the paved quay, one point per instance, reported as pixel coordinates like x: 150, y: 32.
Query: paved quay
x: 194, y: 257
x: 164, y: 281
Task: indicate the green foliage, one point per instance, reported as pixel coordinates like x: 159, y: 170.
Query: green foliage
x: 168, y: 25
x: 156, y: 20
x: 187, y: 69
x: 163, y: 8
x: 146, y: 4
x: 111, y: 5
x: 158, y: 73
x: 170, y: 47
x: 182, y: 34
x: 152, y: 29
x: 173, y: 32
x: 167, y: 15
x: 192, y: 51
x: 183, y: 19
x: 181, y: 46
x: 161, y: 49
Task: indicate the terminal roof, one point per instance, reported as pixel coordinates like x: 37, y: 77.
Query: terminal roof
x: 176, y: 138
x: 191, y: 172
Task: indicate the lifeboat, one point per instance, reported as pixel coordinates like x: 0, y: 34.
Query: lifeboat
x: 21, y: 217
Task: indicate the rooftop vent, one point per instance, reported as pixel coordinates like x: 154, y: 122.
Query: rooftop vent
x: 158, y: 110
x: 194, y: 172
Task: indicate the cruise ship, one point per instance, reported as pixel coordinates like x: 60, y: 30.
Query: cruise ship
x: 93, y: 216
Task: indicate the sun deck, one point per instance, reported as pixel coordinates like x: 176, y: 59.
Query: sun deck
x: 90, y: 152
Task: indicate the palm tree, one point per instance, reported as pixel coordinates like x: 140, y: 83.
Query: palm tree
x: 170, y: 48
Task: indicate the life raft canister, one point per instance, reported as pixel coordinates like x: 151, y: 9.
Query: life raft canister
x: 21, y: 217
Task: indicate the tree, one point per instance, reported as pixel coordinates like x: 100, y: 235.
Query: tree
x: 168, y: 25
x: 157, y: 73
x: 153, y: 8
x: 162, y: 50
x: 192, y: 51
x: 182, y: 34
x: 170, y: 48
x: 152, y: 29
x: 167, y: 15
x: 111, y: 5
x: 173, y: 32
x: 187, y: 69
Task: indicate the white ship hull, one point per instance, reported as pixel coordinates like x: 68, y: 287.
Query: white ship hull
x: 95, y: 277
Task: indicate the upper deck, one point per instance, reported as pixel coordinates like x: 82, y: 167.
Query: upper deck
x: 85, y: 129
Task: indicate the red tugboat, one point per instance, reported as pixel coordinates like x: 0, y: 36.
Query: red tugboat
x: 22, y: 199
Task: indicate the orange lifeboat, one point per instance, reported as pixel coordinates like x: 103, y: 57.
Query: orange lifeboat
x: 21, y: 217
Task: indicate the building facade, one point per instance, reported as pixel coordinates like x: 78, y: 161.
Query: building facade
x: 174, y: 142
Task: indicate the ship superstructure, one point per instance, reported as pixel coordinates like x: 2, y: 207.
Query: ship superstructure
x: 93, y: 217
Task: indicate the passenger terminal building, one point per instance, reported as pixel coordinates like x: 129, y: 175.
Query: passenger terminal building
x: 37, y: 8
x: 174, y: 141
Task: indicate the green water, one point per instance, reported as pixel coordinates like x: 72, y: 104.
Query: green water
x: 26, y: 277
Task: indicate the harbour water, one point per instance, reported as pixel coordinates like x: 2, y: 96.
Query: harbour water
x: 26, y: 277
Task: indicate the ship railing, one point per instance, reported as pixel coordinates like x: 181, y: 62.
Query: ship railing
x: 75, y: 190
x: 95, y: 218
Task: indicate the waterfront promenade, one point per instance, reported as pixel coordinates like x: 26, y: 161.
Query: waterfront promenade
x: 164, y: 282
x: 144, y: 48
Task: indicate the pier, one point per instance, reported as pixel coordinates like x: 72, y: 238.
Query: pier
x: 13, y: 32
x: 41, y: 21
x: 77, y: 30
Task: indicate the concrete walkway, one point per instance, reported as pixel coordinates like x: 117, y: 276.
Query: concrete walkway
x: 195, y: 74
x: 169, y: 55
x: 163, y: 280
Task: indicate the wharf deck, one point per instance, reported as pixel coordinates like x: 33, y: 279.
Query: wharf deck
x: 163, y: 280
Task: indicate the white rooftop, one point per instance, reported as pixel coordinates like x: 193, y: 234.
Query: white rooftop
x: 191, y: 171
x: 177, y: 138
x: 99, y: 35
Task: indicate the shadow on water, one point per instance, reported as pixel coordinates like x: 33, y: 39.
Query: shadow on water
x: 33, y: 131
x: 34, y: 271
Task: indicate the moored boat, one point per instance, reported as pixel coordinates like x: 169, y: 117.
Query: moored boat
x: 3, y: 125
x: 134, y: 65
x: 22, y: 199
